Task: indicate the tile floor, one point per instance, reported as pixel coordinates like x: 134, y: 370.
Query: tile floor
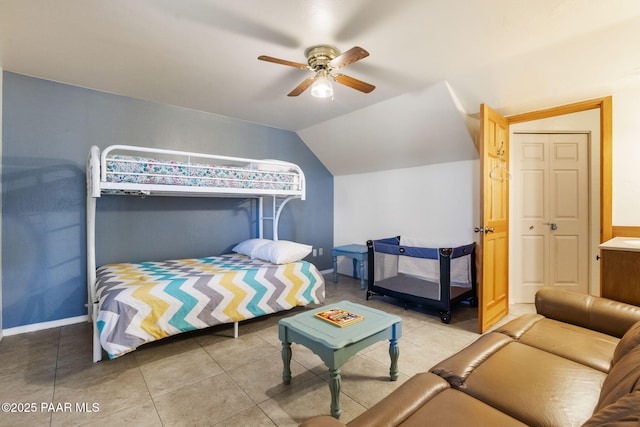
x: 209, y: 378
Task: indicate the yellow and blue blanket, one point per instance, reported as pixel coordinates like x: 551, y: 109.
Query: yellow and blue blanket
x: 146, y: 301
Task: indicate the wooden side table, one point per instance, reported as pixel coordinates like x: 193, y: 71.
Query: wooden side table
x: 359, y: 255
x: 336, y: 345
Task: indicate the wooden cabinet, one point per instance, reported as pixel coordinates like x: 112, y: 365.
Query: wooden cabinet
x: 620, y: 270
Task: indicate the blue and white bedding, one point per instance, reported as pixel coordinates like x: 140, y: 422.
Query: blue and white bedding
x: 146, y: 301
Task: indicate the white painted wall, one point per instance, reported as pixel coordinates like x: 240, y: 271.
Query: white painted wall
x: 436, y: 203
x: 626, y: 157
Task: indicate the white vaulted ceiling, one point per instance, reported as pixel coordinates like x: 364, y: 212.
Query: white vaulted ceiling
x: 432, y: 62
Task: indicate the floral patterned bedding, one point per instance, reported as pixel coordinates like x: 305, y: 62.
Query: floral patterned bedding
x: 141, y: 170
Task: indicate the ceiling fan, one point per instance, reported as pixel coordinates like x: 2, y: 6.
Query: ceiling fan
x: 323, y: 59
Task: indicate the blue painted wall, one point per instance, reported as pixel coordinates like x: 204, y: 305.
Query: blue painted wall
x: 47, y: 131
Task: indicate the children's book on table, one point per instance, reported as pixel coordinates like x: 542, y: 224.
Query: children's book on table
x: 339, y: 316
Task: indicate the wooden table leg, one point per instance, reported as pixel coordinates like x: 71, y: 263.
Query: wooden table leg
x: 335, y: 381
x: 286, y: 362
x: 394, y: 353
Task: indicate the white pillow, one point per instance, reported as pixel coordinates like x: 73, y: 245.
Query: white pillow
x: 282, y: 252
x: 249, y: 246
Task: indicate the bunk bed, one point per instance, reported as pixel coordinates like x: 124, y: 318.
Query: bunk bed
x: 414, y: 272
x: 131, y: 304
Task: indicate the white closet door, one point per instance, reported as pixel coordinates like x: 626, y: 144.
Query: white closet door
x: 551, y: 213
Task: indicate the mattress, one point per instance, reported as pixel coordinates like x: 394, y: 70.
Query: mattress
x: 143, y: 302
x: 142, y: 170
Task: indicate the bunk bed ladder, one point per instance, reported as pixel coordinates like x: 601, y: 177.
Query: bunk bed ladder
x: 276, y: 209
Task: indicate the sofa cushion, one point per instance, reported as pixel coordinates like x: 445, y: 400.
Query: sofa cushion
x: 629, y: 341
x: 536, y: 387
x: 572, y: 342
x: 624, y: 378
x: 454, y: 408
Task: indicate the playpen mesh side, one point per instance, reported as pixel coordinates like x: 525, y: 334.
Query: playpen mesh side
x: 386, y: 266
x: 421, y: 263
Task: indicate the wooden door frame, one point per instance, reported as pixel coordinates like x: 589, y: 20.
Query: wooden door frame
x: 605, y: 105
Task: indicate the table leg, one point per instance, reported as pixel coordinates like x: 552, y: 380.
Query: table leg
x: 286, y: 362
x: 394, y: 352
x: 335, y: 269
x: 355, y: 267
x: 335, y: 381
x: 361, y: 274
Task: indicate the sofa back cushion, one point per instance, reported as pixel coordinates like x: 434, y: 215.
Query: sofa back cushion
x: 600, y: 314
x: 629, y: 341
x: 623, y: 378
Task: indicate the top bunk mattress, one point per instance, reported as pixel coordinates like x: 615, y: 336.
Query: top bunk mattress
x: 145, y: 170
x: 125, y: 169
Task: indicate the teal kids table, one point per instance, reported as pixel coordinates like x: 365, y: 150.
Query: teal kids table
x: 336, y: 345
x: 358, y: 253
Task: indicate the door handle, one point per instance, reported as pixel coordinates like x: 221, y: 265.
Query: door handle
x: 483, y: 230
x: 553, y: 226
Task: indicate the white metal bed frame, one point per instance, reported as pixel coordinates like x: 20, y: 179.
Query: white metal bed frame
x: 98, y: 185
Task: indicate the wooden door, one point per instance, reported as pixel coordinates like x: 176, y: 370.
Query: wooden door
x: 493, y: 251
x: 550, y: 213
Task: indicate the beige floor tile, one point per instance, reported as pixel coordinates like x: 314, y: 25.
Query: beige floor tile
x: 25, y: 419
x: 262, y: 379
x: 140, y: 411
x: 206, y: 403
x: 270, y: 335
x: 140, y: 414
x: 252, y: 417
x: 367, y: 381
x: 28, y: 354
x: 307, y: 400
x: 174, y: 372
x: 230, y: 354
x: 172, y: 346
x: 113, y: 385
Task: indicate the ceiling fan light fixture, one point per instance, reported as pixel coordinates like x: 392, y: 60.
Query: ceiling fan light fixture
x: 322, y: 88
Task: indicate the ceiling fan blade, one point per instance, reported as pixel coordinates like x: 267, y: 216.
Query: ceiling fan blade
x: 302, y: 86
x: 354, y: 83
x: 354, y: 54
x: 283, y: 62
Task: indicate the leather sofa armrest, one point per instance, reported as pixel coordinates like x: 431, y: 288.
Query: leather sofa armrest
x: 395, y: 408
x: 595, y: 313
x: 403, y: 402
x: 458, y: 367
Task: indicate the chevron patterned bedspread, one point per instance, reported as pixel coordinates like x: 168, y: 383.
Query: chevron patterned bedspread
x: 147, y: 301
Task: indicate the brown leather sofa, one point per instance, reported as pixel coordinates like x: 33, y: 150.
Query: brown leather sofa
x: 575, y: 362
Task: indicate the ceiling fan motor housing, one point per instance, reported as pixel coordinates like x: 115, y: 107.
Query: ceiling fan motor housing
x: 318, y: 57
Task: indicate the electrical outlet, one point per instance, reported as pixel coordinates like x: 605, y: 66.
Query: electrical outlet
x: 314, y: 252
x: 320, y: 251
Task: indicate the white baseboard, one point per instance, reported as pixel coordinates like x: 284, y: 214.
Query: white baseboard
x: 323, y: 272
x: 44, y: 325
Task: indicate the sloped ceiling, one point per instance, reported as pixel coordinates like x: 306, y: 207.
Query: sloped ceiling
x: 429, y: 60
x: 418, y: 128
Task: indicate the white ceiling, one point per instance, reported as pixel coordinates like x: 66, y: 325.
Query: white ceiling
x: 431, y: 61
